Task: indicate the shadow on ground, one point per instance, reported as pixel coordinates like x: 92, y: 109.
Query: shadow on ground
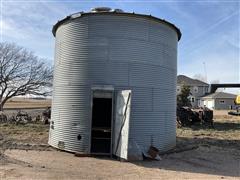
x: 212, y: 157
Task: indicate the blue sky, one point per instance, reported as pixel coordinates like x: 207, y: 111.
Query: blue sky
x: 210, y: 30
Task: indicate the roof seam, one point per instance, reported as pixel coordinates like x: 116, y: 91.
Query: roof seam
x: 82, y: 14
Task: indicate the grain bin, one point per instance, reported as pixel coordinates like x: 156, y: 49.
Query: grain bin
x: 114, y: 86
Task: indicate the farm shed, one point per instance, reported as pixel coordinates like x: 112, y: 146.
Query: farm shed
x: 114, y: 86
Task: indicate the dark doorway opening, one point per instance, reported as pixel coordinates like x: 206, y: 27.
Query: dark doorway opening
x: 101, y: 125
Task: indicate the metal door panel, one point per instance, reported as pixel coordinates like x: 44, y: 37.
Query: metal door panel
x: 121, y: 124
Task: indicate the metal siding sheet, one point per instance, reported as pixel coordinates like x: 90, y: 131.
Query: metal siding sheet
x: 128, y: 53
x: 119, y: 27
x: 151, y: 76
x: 142, y: 99
x: 70, y: 114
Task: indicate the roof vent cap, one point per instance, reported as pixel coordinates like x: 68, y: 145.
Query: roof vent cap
x: 118, y: 10
x: 76, y: 15
x: 101, y: 9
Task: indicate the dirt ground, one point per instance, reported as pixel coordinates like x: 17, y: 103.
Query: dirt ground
x: 201, y: 153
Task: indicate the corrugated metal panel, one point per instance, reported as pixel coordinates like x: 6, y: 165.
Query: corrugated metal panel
x: 70, y: 114
x: 118, y: 27
x: 128, y: 53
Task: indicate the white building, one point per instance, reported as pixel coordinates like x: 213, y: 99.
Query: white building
x: 219, y: 100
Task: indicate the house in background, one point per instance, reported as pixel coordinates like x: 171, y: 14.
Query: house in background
x: 219, y: 100
x: 197, y: 88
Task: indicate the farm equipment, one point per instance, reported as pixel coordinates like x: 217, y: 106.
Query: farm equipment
x: 237, y: 103
x: 46, y: 115
x: 22, y: 118
x: 187, y: 116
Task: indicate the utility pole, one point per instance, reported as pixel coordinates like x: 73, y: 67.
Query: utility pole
x: 205, y: 71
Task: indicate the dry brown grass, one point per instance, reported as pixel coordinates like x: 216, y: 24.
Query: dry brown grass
x: 32, y: 133
x: 25, y: 103
x: 223, y: 115
x: 226, y: 133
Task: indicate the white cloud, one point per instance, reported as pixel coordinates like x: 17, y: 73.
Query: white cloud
x: 30, y: 25
x: 10, y: 29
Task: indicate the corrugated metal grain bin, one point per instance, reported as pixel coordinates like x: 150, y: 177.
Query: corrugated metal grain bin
x: 114, y: 83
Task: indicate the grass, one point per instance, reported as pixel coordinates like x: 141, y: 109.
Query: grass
x: 34, y: 133
x: 225, y: 134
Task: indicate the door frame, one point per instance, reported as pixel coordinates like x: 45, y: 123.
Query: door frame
x: 101, y: 88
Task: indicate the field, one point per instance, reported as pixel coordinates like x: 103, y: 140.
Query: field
x: 26, y: 103
x: 201, y: 153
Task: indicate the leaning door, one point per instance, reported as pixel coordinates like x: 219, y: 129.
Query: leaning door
x: 121, y: 124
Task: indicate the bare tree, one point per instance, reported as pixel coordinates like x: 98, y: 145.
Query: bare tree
x: 200, y: 77
x: 21, y: 73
